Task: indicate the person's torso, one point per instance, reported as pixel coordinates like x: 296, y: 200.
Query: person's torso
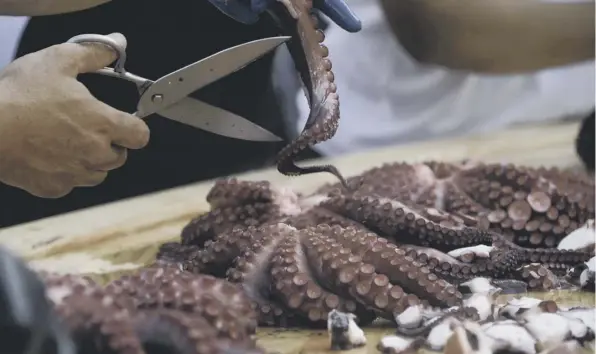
x: 387, y: 98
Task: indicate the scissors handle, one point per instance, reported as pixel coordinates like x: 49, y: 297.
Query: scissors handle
x: 110, y: 42
x: 118, y: 70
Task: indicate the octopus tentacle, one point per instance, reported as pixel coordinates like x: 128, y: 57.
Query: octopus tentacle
x: 158, y: 310
x: 556, y: 260
x: 319, y: 216
x: 406, y: 224
x: 222, y: 304
x: 447, y: 267
x: 354, y: 278
x: 167, y: 331
x: 296, y: 286
x: 252, y: 270
x: 310, y: 58
x: 232, y: 192
x: 241, y: 204
x: 174, y: 253
x: 527, y: 207
x: 208, y: 226
x: 95, y: 319
x: 393, y: 262
x: 538, y: 277
x: 219, y: 254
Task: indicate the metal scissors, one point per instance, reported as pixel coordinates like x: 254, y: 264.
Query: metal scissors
x: 168, y: 96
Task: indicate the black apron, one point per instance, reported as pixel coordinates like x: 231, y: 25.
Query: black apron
x: 163, y: 35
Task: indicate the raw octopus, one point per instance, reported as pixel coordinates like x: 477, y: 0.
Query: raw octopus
x: 158, y: 310
x: 402, y: 235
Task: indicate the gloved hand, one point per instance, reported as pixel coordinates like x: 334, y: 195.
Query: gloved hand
x: 54, y: 135
x: 248, y: 11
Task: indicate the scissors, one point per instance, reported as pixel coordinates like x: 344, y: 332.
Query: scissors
x: 168, y: 96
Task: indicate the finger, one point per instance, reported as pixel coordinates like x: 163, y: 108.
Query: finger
x: 89, y: 57
x: 90, y: 178
x: 114, y: 158
x: 340, y: 13
x: 125, y: 130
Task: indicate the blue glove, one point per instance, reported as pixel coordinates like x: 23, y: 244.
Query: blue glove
x: 248, y: 11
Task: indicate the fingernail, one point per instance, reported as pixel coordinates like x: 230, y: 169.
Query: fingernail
x: 339, y: 12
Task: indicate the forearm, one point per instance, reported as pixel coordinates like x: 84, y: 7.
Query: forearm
x: 45, y: 7
x: 494, y: 36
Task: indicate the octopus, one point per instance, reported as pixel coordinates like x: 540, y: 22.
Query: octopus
x: 157, y: 310
x: 402, y: 235
x: 310, y: 56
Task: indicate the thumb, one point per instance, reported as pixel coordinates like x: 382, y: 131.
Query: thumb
x: 91, y: 56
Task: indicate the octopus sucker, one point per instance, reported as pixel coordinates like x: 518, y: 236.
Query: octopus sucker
x: 160, y: 309
x: 406, y: 235
x: 311, y: 59
x: 294, y: 282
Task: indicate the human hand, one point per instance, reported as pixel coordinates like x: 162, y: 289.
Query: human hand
x: 54, y: 135
x: 248, y: 11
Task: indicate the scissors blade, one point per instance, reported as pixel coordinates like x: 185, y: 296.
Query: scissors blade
x: 213, y: 119
x: 173, y: 87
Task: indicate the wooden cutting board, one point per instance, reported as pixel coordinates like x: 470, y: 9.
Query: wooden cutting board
x: 113, y: 239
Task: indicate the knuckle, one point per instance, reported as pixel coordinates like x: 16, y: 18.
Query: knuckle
x: 94, y: 151
x: 116, y: 158
x: 57, y: 50
x: 91, y: 56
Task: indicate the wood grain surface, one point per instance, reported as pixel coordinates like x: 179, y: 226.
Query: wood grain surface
x: 109, y: 240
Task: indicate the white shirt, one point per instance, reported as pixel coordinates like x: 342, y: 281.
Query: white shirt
x: 388, y: 98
